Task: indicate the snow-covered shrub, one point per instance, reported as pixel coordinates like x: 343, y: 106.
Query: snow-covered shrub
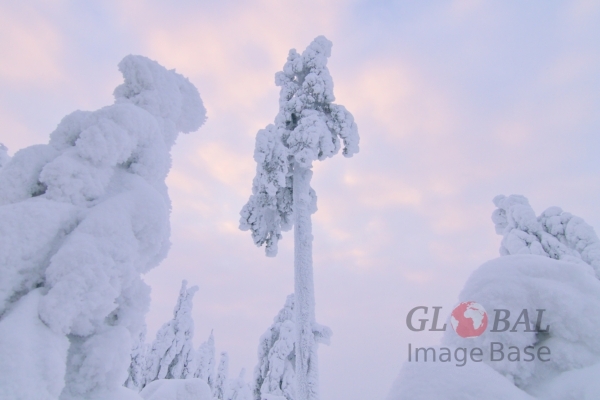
x: 83, y: 216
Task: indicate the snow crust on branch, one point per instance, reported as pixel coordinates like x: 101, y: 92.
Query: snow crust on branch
x: 308, y: 127
x: 85, y: 215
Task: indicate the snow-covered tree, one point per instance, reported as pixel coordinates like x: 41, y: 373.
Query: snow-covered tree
x: 308, y: 127
x: 4, y: 158
x: 137, y: 377
x: 205, y: 361
x: 274, y: 373
x: 82, y: 218
x: 555, y: 234
x: 221, y: 388
x: 172, y: 353
x: 239, y: 389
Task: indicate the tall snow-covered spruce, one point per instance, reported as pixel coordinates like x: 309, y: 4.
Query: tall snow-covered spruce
x: 81, y: 219
x: 308, y: 127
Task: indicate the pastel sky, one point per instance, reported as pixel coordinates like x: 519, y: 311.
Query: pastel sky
x: 456, y: 102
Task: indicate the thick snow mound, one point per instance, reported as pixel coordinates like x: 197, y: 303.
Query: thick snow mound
x: 177, y: 389
x: 443, y: 381
x: 552, y: 304
x: 32, y: 357
x: 568, y: 292
x: 580, y: 384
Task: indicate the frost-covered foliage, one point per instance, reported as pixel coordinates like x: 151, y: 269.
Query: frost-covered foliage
x: 221, y: 388
x: 205, y: 361
x: 548, y: 264
x: 4, y: 158
x: 239, y: 389
x: 85, y: 215
x: 171, y: 355
x: 556, y: 234
x: 137, y: 376
x: 308, y: 127
x: 274, y: 374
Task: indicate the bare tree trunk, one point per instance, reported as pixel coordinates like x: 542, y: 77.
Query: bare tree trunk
x: 304, y: 309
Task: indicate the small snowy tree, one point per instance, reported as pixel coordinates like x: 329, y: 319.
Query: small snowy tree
x: 220, y: 391
x: 4, y: 158
x: 137, y: 378
x: 555, y: 234
x: 82, y: 218
x: 239, y: 389
x: 274, y: 373
x: 308, y: 127
x: 172, y: 353
x: 205, y: 361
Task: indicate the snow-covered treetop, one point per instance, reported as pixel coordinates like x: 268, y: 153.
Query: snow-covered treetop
x: 308, y: 127
x: 555, y: 234
x: 171, y: 355
x: 136, y: 133
x: 3, y: 155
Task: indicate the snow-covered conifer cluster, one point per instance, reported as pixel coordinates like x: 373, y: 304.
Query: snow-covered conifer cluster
x: 171, y: 356
x: 82, y: 218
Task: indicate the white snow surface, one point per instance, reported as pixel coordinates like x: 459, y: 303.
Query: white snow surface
x: 33, y: 357
x: 83, y: 216
x: 570, y: 295
x: 446, y: 381
x: 177, y: 389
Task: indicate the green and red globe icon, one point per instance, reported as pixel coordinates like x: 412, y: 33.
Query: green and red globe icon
x: 469, y: 319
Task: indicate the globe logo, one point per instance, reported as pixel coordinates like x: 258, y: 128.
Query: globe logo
x: 469, y: 319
